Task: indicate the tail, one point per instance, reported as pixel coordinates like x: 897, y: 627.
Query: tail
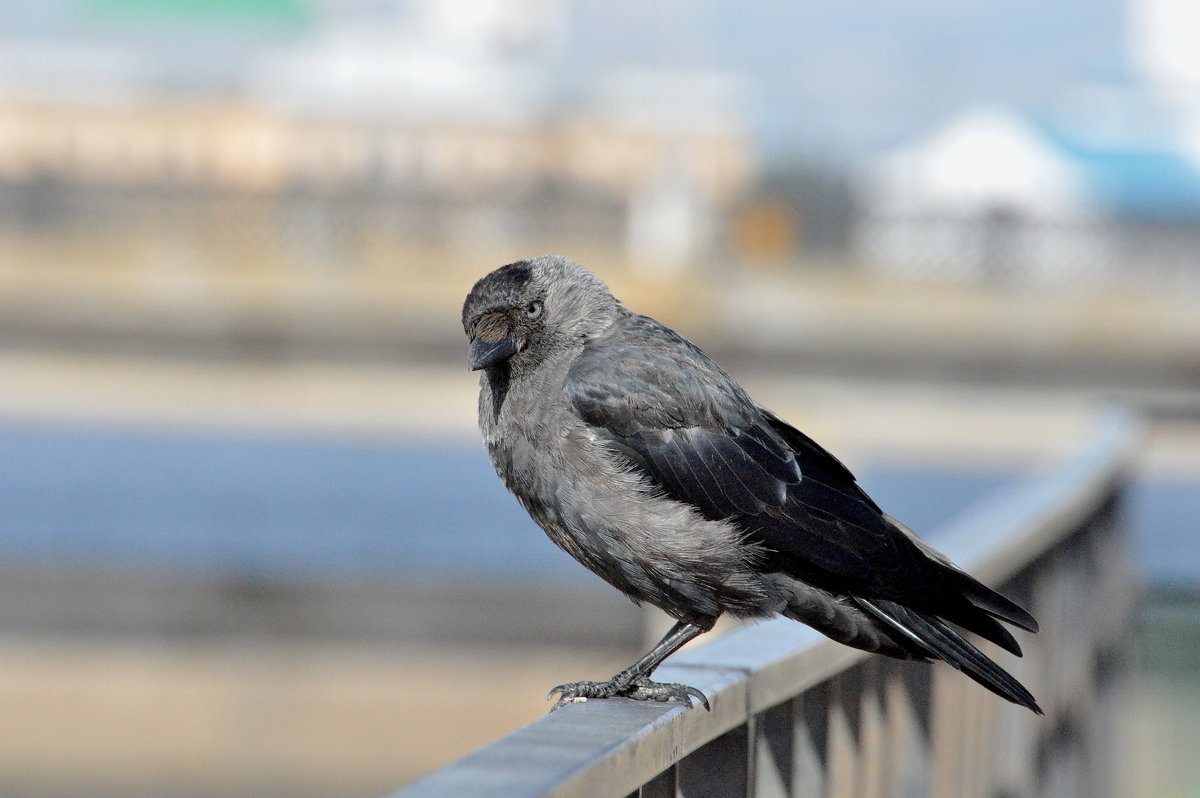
x: 931, y: 637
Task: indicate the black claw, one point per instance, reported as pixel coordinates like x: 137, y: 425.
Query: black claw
x: 701, y: 697
x: 641, y: 690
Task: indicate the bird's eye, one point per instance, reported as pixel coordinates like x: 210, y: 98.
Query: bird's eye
x: 534, y: 309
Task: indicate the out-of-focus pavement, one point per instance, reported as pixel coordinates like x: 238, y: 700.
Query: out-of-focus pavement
x: 119, y: 717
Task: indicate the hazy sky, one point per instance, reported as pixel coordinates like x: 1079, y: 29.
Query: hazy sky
x: 836, y: 80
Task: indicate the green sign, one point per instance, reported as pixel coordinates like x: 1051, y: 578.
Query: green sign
x: 290, y: 14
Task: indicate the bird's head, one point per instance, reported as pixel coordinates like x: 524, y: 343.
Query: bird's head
x: 532, y: 307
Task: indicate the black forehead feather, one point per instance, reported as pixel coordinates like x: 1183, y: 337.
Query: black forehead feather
x: 514, y: 277
x: 502, y: 287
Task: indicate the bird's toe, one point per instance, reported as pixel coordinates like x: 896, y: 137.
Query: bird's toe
x: 659, y: 691
x: 578, y: 691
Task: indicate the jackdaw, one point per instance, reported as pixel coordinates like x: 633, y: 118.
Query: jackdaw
x: 645, y: 461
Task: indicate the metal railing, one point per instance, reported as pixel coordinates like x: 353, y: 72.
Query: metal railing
x: 794, y: 714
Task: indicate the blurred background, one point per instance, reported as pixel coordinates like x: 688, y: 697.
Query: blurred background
x: 250, y: 544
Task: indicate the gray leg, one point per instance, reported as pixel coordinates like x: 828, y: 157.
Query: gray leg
x: 634, y: 682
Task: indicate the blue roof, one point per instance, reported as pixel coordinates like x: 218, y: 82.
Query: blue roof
x: 1148, y: 179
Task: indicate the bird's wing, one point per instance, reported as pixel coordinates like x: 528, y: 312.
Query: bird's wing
x: 693, y: 432
x: 690, y: 430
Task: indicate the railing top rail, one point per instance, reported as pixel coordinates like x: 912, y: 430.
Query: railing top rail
x: 612, y: 747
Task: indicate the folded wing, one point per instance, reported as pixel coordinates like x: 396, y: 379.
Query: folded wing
x: 691, y: 431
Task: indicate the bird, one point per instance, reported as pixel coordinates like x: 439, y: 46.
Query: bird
x: 645, y: 461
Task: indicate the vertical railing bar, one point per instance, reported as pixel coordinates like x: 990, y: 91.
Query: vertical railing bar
x: 661, y: 786
x: 751, y: 727
x: 774, y: 752
x: 872, y: 730
x: 718, y: 769
x: 810, y: 741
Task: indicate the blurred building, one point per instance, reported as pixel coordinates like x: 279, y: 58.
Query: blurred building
x: 448, y: 129
x: 994, y: 196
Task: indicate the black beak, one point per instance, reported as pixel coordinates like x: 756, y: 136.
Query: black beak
x: 484, y: 354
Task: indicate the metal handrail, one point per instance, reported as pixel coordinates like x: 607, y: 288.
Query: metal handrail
x: 793, y: 712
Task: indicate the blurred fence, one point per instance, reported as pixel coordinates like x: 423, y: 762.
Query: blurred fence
x: 795, y: 714
x: 1009, y: 249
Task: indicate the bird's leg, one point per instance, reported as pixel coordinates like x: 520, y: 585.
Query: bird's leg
x: 634, y: 681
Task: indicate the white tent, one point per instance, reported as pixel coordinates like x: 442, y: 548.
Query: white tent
x: 983, y: 159
x: 986, y: 196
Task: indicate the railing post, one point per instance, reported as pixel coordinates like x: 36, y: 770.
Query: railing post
x: 810, y: 741
x: 774, y: 751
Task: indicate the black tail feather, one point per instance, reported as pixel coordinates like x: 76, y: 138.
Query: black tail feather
x: 986, y: 626
x: 995, y: 604
x: 933, y: 638
x: 972, y: 596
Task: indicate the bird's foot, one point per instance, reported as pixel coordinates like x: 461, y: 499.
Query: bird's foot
x: 639, y: 689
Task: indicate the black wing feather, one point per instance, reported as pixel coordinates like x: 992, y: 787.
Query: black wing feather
x: 694, y: 433
x: 691, y: 430
x: 705, y: 490
x: 819, y: 464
